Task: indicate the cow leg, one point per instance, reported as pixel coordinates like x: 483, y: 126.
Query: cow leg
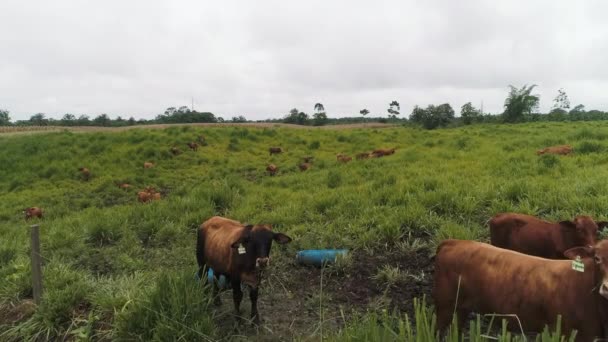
x: 253, y: 296
x: 444, y: 318
x: 237, y: 296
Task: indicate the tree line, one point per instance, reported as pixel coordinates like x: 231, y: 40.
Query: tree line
x: 521, y: 105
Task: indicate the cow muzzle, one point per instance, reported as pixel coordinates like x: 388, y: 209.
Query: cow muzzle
x: 262, y: 262
x: 604, y: 290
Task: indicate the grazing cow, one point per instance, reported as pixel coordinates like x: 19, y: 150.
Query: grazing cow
x: 193, y: 146
x: 472, y: 276
x: 363, y: 155
x: 304, y: 166
x: 86, y: 173
x: 175, y: 151
x: 148, y: 165
x: 239, y: 252
x: 275, y: 150
x: 148, y: 194
x: 530, y: 235
x: 272, y: 169
x: 32, y: 212
x: 308, y: 159
x: 343, y: 158
x: 561, y: 149
x: 382, y: 152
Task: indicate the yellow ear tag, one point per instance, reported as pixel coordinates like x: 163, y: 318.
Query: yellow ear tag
x: 242, y: 249
x: 578, y: 265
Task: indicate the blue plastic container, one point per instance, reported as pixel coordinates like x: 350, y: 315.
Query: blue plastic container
x: 221, y: 282
x: 319, y: 257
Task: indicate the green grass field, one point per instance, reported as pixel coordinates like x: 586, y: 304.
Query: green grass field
x: 116, y: 269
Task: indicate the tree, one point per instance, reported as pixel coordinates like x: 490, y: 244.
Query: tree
x: 39, y: 119
x: 319, y: 119
x: 170, y: 111
x: 520, y: 102
x: 131, y: 121
x: 83, y: 120
x: 5, y: 119
x: 364, y: 112
x: 319, y: 108
x: 433, y: 116
x: 68, y: 119
x: 239, y: 118
x: 561, y: 101
x: 578, y: 109
x: 102, y: 120
x: 296, y: 117
x: 417, y: 115
x: 393, y: 109
x: 469, y: 114
x: 184, y: 109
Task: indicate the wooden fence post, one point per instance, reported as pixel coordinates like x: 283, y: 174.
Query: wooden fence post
x: 36, y: 264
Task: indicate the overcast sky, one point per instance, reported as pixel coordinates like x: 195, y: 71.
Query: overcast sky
x: 261, y: 58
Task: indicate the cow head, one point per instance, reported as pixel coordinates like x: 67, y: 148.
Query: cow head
x: 583, y: 230
x: 257, y: 241
x: 599, y: 254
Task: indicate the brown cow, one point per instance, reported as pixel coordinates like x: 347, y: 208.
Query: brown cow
x: 308, y: 159
x: 382, y: 152
x: 148, y: 165
x: 237, y: 251
x: 472, y: 276
x: 86, y: 173
x: 148, y: 194
x: 272, y: 169
x: 175, y: 151
x: 32, y: 212
x: 304, y: 166
x: 193, y: 146
x: 530, y: 235
x: 363, y: 155
x: 124, y: 186
x: 275, y: 150
x: 561, y: 149
x: 343, y: 158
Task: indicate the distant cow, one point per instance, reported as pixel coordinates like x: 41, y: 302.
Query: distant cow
x: 175, y: 151
x: 275, y: 150
x: 237, y: 251
x: 147, y: 195
x: 308, y: 159
x: 343, y: 158
x: 561, y: 149
x: 530, y: 235
x: 363, y: 155
x: 382, y: 152
x: 86, y: 173
x: 148, y: 165
x: 124, y: 186
x: 193, y: 146
x: 272, y: 169
x: 304, y: 166
x: 476, y: 277
x: 32, y: 212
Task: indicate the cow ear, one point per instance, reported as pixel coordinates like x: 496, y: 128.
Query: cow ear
x: 281, y: 238
x: 583, y: 252
x: 602, y: 224
x: 568, y: 224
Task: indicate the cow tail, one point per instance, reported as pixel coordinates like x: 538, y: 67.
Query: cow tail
x: 200, y: 252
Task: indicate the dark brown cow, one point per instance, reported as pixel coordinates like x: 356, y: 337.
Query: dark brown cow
x: 272, y: 169
x: 308, y: 159
x: 193, y: 146
x: 239, y: 252
x: 148, y: 165
x: 343, y: 158
x: 561, y: 149
x: 86, y: 173
x: 275, y: 150
x: 175, y: 151
x: 304, y: 166
x: 382, y: 152
x: 363, y: 155
x: 472, y: 276
x: 32, y: 212
x: 530, y: 235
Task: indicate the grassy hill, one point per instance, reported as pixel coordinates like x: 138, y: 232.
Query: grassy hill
x: 118, y: 269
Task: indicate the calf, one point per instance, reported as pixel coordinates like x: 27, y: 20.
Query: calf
x: 275, y: 150
x: 363, y: 155
x: 382, y: 152
x: 304, y: 166
x: 175, y: 151
x: 530, y: 235
x: 32, y: 212
x: 193, y: 146
x: 472, y: 276
x: 148, y: 165
x: 239, y: 252
x: 147, y: 195
x: 561, y: 149
x: 272, y: 169
x: 86, y: 173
